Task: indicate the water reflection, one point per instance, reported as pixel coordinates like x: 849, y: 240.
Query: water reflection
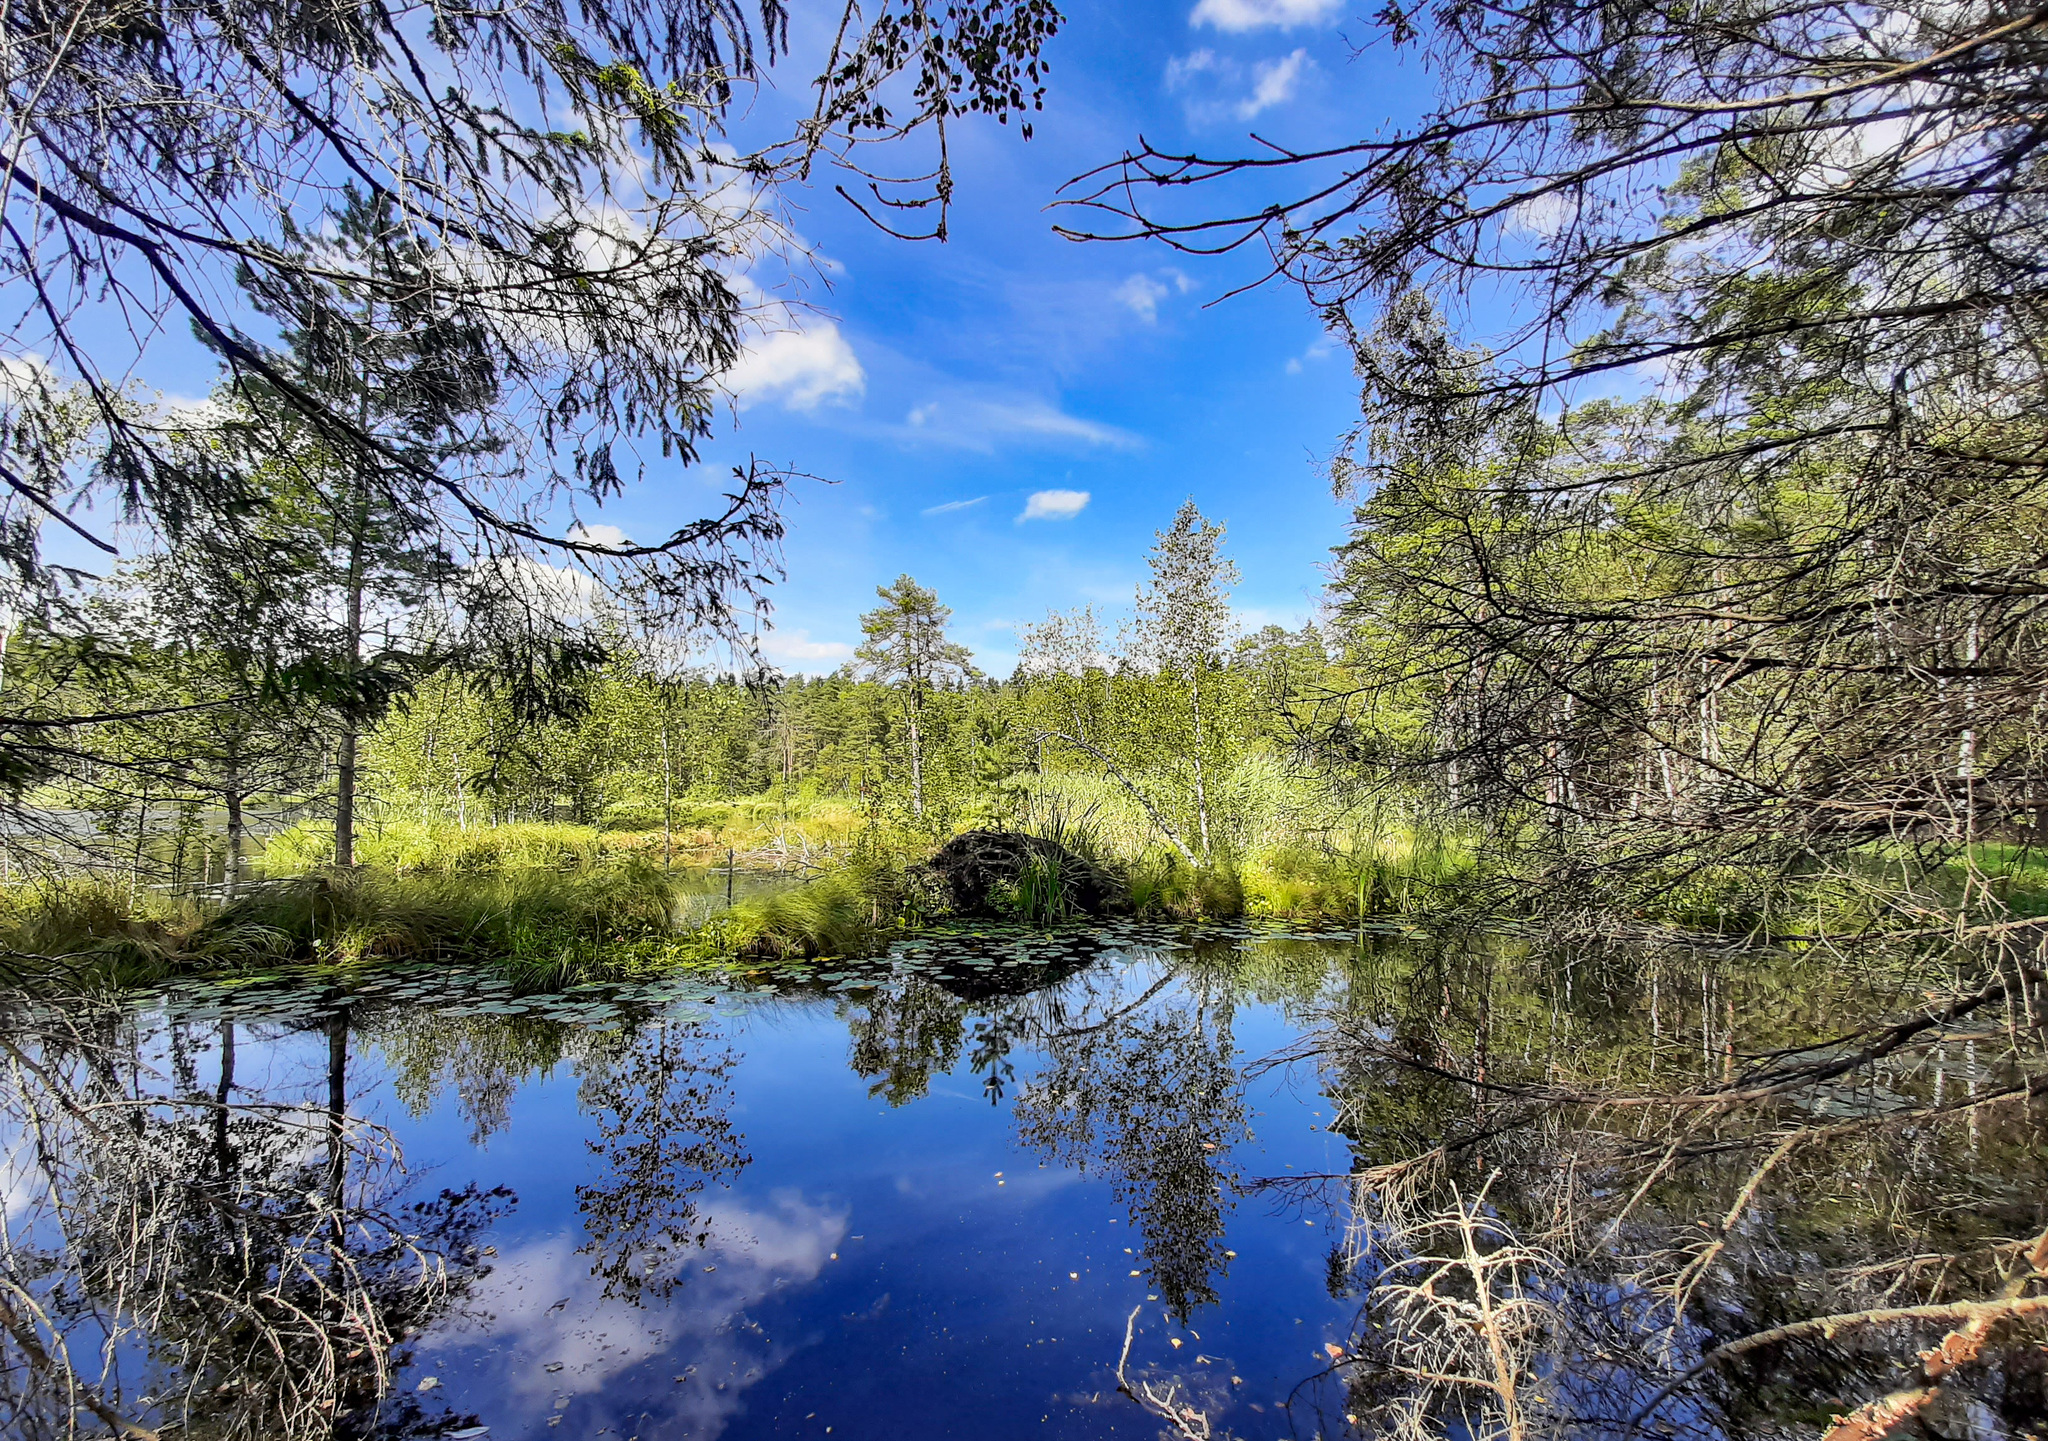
x: 1599, y: 1190
x: 903, y: 1035
x: 1460, y: 1187
x: 1152, y: 1100
x: 658, y: 1103
x: 233, y: 1264
x: 583, y: 1335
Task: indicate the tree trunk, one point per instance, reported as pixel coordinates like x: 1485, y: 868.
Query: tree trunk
x: 223, y: 1150
x: 1116, y: 774
x: 668, y: 800
x: 916, y: 760
x: 1201, y: 790
x: 337, y: 1117
x: 231, y: 868
x: 345, y: 797
x: 351, y: 722
x: 135, y: 865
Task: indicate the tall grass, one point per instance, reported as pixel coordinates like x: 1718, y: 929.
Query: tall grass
x: 766, y: 831
x: 349, y: 917
x: 85, y: 929
x: 538, y: 925
x: 1072, y: 872
x: 1281, y: 848
x: 848, y: 911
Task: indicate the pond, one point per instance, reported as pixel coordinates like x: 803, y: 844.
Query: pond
x: 1093, y: 1183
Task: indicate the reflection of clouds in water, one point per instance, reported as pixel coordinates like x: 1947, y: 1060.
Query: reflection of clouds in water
x: 704, y: 1328
x: 23, y: 1189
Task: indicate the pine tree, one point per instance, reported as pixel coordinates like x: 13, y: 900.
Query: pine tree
x: 906, y: 646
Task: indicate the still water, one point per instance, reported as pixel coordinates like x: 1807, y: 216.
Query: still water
x: 1133, y: 1181
x: 927, y: 1196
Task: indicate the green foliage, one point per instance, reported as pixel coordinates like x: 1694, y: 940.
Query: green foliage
x: 1047, y: 889
x: 543, y: 927
x: 411, y: 848
x: 844, y: 912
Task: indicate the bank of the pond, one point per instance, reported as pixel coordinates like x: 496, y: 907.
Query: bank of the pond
x: 549, y: 908
x: 544, y: 927
x: 549, y: 914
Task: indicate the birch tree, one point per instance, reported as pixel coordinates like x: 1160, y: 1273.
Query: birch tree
x: 1184, y: 625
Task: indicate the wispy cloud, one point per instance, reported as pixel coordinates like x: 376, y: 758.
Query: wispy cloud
x: 1182, y: 70
x: 1318, y: 350
x: 1054, y: 505
x: 1237, y: 16
x: 798, y: 649
x: 980, y: 422
x: 1142, y: 293
x: 1215, y: 87
x: 952, y: 505
x: 599, y: 534
x: 1545, y: 217
x: 544, y: 1306
x: 1273, y: 83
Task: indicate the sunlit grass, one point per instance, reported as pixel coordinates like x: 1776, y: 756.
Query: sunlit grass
x: 762, y: 831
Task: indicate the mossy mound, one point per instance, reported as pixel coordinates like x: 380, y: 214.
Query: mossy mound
x: 1008, y: 874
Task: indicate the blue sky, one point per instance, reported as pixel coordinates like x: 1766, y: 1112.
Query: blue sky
x: 941, y: 386
x: 935, y: 389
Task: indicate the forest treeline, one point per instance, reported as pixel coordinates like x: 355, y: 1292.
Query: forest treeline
x: 1171, y: 731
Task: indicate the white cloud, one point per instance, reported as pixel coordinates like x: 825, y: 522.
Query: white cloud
x: 953, y: 505
x: 24, y: 376
x: 798, y: 647
x: 1143, y: 291
x: 174, y: 408
x: 1184, y: 68
x: 1544, y: 216
x: 1036, y: 418
x: 600, y: 535
x: 1054, y: 505
x: 1273, y: 83
x: 541, y: 1307
x: 800, y: 368
x: 1142, y: 294
x: 1319, y: 350
x: 559, y: 590
x: 1237, y: 16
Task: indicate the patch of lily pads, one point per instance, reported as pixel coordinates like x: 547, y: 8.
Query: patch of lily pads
x: 972, y: 959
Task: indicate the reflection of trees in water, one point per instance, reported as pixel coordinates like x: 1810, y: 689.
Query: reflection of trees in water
x: 1767, y: 1184
x: 903, y: 1035
x: 1149, y: 1095
x: 660, y: 1100
x: 659, y: 1096
x: 1139, y: 1088
x: 201, y: 1257
x: 485, y: 1060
